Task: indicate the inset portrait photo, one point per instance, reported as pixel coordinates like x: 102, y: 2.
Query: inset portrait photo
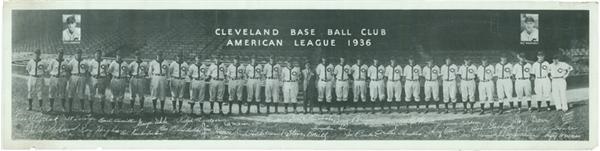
x: 71, y: 33
x: 529, y: 29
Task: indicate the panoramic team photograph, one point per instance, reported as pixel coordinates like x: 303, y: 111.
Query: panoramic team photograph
x: 300, y: 75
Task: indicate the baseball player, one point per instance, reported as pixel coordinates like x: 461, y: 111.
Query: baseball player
x: 412, y: 87
x: 35, y: 82
x: 290, y: 77
x: 449, y: 72
x: 540, y: 70
x: 393, y: 74
x: 272, y: 74
x: 559, y: 71
x: 342, y: 77
x: 376, y: 87
x: 235, y: 77
x: 359, y: 75
x: 504, y: 85
x: 118, y: 70
x: 197, y: 74
x: 253, y: 73
x: 137, y: 84
x: 431, y: 74
x: 99, y: 80
x: 76, y: 84
x: 216, y: 74
x: 467, y: 84
x: 325, y: 75
x: 177, y: 73
x: 485, y: 75
x: 521, y: 71
x: 58, y: 79
x: 308, y: 77
x: 158, y: 81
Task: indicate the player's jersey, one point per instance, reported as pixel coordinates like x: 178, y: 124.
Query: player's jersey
x: 449, y: 72
x: 290, y: 74
x: 99, y: 68
x: 58, y: 67
x: 503, y: 71
x: 197, y: 71
x: 560, y: 70
x: 467, y: 72
x: 325, y: 72
x: 35, y: 67
x: 119, y: 69
x: 359, y: 72
x: 376, y: 73
x: 254, y: 71
x: 235, y: 72
x: 485, y: 73
x: 431, y: 72
x: 78, y: 67
x: 138, y: 69
x: 393, y: 73
x: 412, y: 72
x: 216, y: 71
x: 158, y: 68
x: 178, y: 69
x: 540, y: 69
x: 522, y: 70
x: 271, y: 71
x: 342, y: 72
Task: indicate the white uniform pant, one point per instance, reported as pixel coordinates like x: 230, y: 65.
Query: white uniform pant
x: 467, y: 90
x: 137, y: 85
x: 523, y: 89
x: 486, y: 89
x: 253, y: 90
x: 34, y: 87
x: 236, y: 87
x: 197, y: 90
x: 542, y: 89
x: 394, y: 90
x: 432, y: 90
x: 177, y: 88
x: 217, y: 89
x: 290, y: 92
x: 360, y: 90
x: 272, y: 90
x: 412, y: 90
x: 377, y: 90
x: 504, y: 88
x: 449, y: 91
x: 58, y: 87
x: 117, y: 87
x: 341, y: 90
x: 158, y: 87
x: 324, y: 88
x: 76, y: 87
x: 559, y: 93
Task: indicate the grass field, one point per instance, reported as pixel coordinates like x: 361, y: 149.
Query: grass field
x: 572, y: 125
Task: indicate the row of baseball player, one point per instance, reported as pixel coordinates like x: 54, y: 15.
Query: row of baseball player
x: 98, y: 74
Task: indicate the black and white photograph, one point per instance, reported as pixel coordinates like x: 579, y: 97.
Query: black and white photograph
x: 317, y: 75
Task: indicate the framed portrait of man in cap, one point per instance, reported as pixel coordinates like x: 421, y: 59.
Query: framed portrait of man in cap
x: 71, y: 32
x: 529, y: 29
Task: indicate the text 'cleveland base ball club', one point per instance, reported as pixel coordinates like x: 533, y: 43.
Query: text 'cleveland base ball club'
x: 264, y: 74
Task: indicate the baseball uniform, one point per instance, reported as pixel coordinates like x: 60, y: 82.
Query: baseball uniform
x: 542, y: 85
x: 342, y: 77
x: 376, y: 87
x: 119, y: 71
x: 217, y: 74
x: 253, y: 73
x: 158, y: 81
x: 412, y: 86
x: 504, y: 85
x: 485, y: 74
x: 359, y: 73
x: 559, y: 72
x: 99, y: 81
x: 235, y: 77
x: 432, y: 88
x: 522, y: 71
x: 325, y: 75
x: 467, y: 84
x: 394, y: 83
x: 58, y: 70
x: 272, y: 73
x: 449, y: 85
x: 198, y: 75
x: 290, y: 77
x: 35, y: 82
x: 137, y: 84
